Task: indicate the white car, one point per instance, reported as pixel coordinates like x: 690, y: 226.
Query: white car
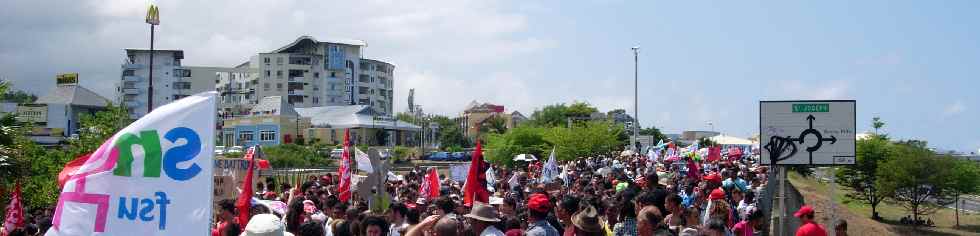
x: 234, y: 150
x: 219, y: 150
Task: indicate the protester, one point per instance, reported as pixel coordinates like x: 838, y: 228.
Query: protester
x: 482, y: 219
x: 808, y: 226
x: 539, y: 206
x: 265, y: 225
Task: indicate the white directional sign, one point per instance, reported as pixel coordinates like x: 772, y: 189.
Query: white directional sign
x: 807, y: 132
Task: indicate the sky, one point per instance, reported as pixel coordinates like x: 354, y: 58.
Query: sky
x: 915, y: 64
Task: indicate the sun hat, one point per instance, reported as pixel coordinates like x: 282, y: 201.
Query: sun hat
x: 483, y: 212
x: 587, y: 220
x: 265, y: 225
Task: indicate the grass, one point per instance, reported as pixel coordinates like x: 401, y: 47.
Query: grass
x: 891, y: 213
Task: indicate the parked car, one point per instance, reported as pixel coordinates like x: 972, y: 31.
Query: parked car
x: 457, y: 156
x: 219, y: 150
x: 439, y: 156
x: 235, y: 150
x: 337, y: 153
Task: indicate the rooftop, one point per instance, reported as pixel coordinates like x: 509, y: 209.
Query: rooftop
x: 355, y: 116
x: 71, y: 94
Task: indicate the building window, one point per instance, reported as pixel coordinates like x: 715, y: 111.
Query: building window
x: 316, y: 100
x: 268, y: 73
x: 246, y: 136
x: 279, y: 74
x: 267, y: 60
x: 267, y: 135
x: 279, y: 60
x: 129, y: 72
x: 333, y: 74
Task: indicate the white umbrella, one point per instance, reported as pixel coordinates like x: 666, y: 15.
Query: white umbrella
x: 525, y: 157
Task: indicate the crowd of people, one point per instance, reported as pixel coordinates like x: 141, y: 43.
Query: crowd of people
x: 600, y: 196
x: 614, y: 195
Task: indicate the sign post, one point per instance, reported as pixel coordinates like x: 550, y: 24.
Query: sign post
x: 813, y: 132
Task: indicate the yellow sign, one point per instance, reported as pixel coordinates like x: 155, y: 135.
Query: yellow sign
x: 153, y: 15
x: 67, y: 78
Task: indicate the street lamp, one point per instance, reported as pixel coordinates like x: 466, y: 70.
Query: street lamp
x: 636, y: 92
x: 152, y: 18
x: 712, y: 125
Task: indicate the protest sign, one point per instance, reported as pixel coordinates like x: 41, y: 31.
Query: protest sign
x: 151, y: 178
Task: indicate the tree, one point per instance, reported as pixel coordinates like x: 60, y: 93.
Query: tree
x: 452, y: 136
x: 917, y: 179
x: 966, y: 180
x: 493, y: 124
x: 653, y: 131
x: 550, y: 116
x: 502, y: 148
x: 580, y: 109
x: 861, y: 177
x: 586, y: 139
x: 877, y: 123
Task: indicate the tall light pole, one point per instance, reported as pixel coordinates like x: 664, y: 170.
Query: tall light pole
x: 636, y: 99
x: 152, y: 18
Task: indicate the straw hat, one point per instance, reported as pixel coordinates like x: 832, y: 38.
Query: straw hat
x: 587, y: 220
x: 483, y: 212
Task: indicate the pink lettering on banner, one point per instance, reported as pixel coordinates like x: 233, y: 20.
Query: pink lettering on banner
x: 78, y: 195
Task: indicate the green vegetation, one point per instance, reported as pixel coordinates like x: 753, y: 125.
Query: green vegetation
x: 549, y: 129
x: 294, y: 156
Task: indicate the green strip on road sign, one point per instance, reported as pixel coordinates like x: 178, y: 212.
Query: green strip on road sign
x: 822, y: 107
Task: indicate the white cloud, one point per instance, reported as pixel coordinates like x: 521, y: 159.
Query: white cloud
x: 955, y: 108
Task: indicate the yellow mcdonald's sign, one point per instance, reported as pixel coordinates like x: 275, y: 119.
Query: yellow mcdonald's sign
x: 67, y: 78
x: 153, y: 15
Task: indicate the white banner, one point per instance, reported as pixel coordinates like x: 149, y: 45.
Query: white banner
x: 153, y: 177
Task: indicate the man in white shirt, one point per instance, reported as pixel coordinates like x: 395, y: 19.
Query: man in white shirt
x: 482, y: 218
x: 396, y: 215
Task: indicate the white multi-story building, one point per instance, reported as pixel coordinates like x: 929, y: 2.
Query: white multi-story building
x: 374, y: 85
x: 171, y: 80
x: 307, y: 72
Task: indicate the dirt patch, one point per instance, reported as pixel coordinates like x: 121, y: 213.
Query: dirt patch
x: 857, y: 224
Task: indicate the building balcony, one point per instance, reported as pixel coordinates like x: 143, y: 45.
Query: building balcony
x: 131, y: 66
x: 132, y: 78
x: 131, y: 91
x: 131, y: 104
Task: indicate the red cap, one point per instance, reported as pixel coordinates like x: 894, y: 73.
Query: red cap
x: 713, y: 177
x: 806, y: 209
x: 717, y: 194
x: 539, y: 203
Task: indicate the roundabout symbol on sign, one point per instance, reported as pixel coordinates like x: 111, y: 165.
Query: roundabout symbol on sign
x: 778, y: 145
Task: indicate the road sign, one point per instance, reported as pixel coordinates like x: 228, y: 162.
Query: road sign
x: 807, y: 132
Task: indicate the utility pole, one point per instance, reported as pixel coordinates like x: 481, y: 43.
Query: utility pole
x: 636, y: 99
x: 152, y: 18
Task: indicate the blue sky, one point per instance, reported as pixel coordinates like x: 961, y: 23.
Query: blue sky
x: 913, y: 63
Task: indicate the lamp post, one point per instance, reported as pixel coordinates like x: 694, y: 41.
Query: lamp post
x: 152, y: 18
x: 636, y: 92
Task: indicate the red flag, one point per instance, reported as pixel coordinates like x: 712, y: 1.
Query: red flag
x: 476, y: 180
x: 244, y: 203
x: 15, y: 213
x: 693, y: 170
x: 70, y: 169
x: 430, y: 185
x: 714, y: 154
x: 344, y: 170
